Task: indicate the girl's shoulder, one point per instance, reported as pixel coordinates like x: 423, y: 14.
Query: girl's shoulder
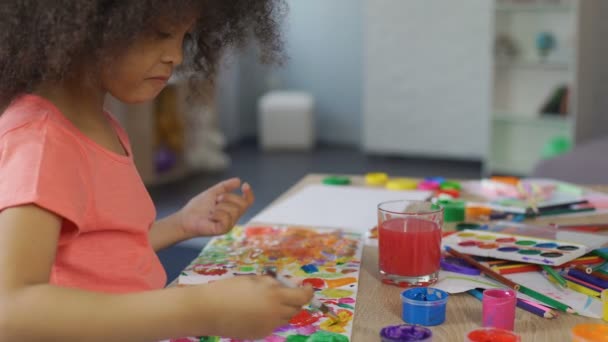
x: 27, y: 112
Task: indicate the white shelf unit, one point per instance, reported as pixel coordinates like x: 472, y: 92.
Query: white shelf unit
x: 525, y: 82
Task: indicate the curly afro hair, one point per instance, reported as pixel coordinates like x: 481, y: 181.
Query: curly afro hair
x: 42, y: 40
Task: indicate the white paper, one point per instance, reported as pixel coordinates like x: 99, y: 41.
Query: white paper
x: 585, y: 305
x: 350, y: 208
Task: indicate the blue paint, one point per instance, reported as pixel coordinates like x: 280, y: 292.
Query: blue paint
x: 310, y: 268
x: 435, y: 179
x: 508, y: 249
x: 546, y: 245
x: 424, y: 306
x: 518, y: 218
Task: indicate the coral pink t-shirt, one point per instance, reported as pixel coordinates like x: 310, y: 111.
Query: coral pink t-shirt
x: 107, y: 212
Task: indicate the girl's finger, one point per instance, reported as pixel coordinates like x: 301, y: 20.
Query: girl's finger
x: 222, y: 217
x: 248, y: 193
x: 234, y: 199
x: 232, y: 210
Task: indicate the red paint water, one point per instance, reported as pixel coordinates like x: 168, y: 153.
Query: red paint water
x: 409, y: 247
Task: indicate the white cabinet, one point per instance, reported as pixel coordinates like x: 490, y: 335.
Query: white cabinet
x: 427, y: 77
x: 436, y: 87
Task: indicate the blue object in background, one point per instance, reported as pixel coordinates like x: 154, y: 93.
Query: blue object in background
x: 545, y: 42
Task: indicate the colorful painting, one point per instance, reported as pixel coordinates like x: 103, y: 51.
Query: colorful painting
x: 329, y: 260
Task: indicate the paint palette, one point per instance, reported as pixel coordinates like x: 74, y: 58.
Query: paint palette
x: 515, y: 247
x: 328, y: 260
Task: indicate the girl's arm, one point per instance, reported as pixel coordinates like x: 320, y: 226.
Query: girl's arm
x: 33, y: 310
x: 212, y: 212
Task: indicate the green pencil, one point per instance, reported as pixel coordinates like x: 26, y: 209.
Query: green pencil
x: 553, y: 273
x: 547, y: 300
x: 601, y: 254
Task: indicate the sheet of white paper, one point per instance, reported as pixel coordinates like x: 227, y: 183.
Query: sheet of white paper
x: 349, y: 208
x: 581, y: 303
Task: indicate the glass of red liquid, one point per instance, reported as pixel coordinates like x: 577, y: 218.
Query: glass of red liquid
x: 409, y: 240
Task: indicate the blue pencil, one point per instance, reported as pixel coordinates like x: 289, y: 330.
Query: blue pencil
x: 536, y: 309
x: 603, y: 284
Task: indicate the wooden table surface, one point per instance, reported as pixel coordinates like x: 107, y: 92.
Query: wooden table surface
x: 379, y: 305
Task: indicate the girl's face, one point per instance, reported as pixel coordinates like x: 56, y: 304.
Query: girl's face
x: 140, y: 73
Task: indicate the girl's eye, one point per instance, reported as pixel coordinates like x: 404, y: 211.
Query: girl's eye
x: 163, y: 34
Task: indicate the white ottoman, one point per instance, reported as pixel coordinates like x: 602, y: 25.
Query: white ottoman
x: 286, y: 120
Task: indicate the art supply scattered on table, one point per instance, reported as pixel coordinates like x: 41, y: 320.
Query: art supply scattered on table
x: 554, y: 275
x: 498, y: 308
x: 491, y: 335
x: 376, y: 178
x: 336, y: 180
x: 484, y: 269
x: 424, y: 306
x: 511, y: 284
x: 453, y: 210
x: 406, y: 333
x: 401, y: 184
x: 526, y: 305
x: 510, y: 267
x: 515, y: 247
x: 588, y: 278
x: 456, y: 265
x: 590, y: 333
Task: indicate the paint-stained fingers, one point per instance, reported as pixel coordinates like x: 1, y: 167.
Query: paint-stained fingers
x: 295, y: 297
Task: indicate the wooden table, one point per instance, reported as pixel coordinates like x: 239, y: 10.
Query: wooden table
x: 378, y: 305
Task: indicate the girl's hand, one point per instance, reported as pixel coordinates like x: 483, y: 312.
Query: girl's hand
x: 216, y: 210
x: 251, y: 307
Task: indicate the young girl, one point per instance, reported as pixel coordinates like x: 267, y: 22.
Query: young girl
x: 77, y: 230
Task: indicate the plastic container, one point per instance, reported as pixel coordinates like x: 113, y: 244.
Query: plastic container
x: 590, y: 333
x: 491, y: 335
x: 424, y: 306
x: 498, y: 308
x: 406, y: 333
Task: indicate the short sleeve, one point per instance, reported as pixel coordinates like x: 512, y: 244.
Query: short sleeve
x: 41, y: 165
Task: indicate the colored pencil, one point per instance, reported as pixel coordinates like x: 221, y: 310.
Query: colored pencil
x: 565, y: 211
x: 583, y: 283
x: 523, y: 304
x: 553, y: 274
x: 575, y: 273
x: 579, y: 288
x: 484, y: 269
x: 546, y: 300
x: 601, y: 253
x: 510, y: 267
x: 509, y: 283
x: 515, y: 269
x: 598, y: 268
x: 536, y: 309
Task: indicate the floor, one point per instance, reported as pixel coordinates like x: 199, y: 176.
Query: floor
x: 271, y: 173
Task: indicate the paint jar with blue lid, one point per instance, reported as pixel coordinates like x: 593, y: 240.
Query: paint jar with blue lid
x: 424, y: 306
x: 406, y: 333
